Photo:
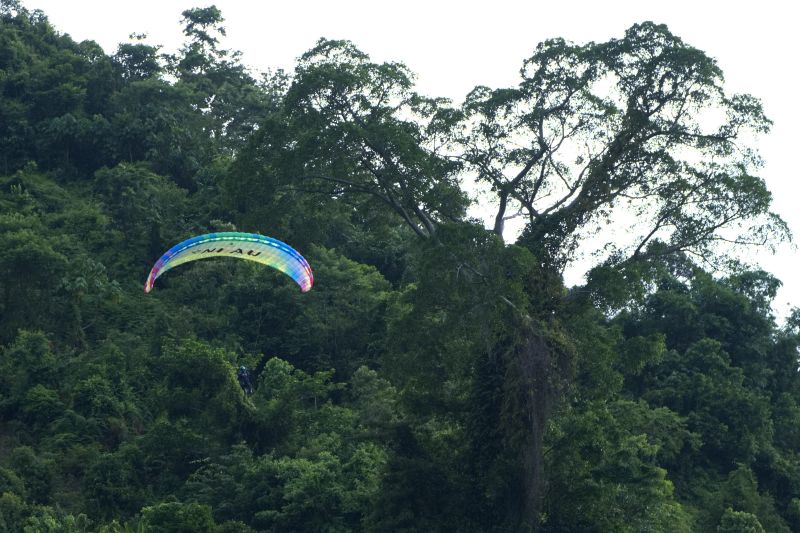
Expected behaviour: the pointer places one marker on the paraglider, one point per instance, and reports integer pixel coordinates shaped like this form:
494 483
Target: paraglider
245 381
250 246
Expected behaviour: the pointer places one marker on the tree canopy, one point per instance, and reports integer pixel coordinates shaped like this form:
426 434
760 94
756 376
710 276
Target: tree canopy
439 376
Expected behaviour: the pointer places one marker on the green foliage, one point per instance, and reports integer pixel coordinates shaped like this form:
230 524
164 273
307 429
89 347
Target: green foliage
46 520
31 267
435 378
178 518
339 324
329 480
144 206
739 504
36 473
606 474
198 382
28 360
12 511
739 522
11 483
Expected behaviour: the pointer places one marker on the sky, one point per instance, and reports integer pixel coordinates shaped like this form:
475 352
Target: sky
453 46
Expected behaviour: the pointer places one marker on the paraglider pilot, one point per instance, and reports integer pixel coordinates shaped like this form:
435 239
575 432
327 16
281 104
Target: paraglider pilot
244 380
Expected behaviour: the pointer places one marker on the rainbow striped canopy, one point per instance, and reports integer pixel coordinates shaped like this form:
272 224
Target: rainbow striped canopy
250 246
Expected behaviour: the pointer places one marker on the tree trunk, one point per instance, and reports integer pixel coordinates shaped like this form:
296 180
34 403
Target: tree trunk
536 373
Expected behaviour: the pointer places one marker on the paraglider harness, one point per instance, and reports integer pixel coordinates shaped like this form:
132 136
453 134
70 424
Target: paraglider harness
244 380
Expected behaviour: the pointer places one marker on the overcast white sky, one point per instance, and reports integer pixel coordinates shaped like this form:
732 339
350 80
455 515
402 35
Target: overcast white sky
455 45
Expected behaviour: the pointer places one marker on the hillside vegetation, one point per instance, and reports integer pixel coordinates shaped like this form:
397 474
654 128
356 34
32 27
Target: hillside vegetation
436 377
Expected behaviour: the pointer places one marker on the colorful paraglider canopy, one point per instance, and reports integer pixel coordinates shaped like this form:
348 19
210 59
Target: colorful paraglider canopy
250 246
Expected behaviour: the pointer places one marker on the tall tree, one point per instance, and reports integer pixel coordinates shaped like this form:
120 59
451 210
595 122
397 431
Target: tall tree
640 123
361 128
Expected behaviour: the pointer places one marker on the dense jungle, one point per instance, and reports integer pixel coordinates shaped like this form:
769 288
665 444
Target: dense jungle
439 376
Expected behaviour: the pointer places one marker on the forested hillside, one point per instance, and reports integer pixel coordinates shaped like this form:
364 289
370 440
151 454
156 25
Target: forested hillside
437 377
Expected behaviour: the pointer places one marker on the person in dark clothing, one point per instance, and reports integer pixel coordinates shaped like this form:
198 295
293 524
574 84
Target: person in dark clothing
244 379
